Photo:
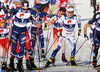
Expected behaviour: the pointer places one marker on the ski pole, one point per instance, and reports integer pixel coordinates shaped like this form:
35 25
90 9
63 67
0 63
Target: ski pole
91 50
51 46
38 42
47 38
77 39
77 51
80 47
90 57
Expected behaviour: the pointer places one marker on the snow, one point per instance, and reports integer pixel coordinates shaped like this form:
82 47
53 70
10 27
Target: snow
84 10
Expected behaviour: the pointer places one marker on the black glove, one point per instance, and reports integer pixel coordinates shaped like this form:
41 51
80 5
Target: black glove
79 32
86 37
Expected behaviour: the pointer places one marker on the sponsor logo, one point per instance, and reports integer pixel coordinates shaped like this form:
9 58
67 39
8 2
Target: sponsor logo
21 15
1 31
69 21
60 40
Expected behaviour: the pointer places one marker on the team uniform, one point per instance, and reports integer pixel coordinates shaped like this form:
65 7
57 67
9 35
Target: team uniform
4 40
21 20
57 28
96 39
35 31
92 33
44 4
68 33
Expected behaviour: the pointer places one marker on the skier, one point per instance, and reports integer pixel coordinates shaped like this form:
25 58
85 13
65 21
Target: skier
34 28
4 40
69 21
22 18
96 36
57 31
44 5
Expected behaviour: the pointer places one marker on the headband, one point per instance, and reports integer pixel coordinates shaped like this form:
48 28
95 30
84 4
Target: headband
70 9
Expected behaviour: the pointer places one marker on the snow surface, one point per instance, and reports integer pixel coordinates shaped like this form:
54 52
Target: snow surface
84 10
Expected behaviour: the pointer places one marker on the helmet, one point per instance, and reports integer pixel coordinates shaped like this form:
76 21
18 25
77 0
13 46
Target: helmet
37 7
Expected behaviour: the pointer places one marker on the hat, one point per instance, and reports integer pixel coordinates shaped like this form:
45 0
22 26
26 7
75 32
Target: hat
25 4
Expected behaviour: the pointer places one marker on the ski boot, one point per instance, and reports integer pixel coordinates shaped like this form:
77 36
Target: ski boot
49 62
63 58
73 63
32 64
11 66
4 66
94 62
43 54
20 67
45 27
28 65
53 61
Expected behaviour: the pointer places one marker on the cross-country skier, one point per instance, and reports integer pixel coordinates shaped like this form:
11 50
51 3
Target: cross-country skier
34 29
4 40
96 36
57 31
69 22
22 18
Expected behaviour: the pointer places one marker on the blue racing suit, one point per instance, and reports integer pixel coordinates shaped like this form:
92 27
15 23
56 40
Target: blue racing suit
96 35
19 30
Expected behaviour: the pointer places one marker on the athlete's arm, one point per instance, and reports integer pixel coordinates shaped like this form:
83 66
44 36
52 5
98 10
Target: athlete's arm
52 20
85 27
79 26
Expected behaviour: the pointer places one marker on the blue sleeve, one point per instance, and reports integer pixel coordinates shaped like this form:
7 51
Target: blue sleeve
79 25
14 11
7 17
92 21
44 13
48 1
5 11
33 12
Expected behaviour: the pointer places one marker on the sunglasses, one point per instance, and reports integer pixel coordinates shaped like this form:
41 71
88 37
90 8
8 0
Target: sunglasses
25 9
71 12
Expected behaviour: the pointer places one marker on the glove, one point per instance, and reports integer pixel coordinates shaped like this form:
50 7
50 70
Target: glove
79 32
86 37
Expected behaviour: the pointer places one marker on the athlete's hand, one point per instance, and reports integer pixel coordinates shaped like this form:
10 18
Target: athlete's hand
79 33
86 37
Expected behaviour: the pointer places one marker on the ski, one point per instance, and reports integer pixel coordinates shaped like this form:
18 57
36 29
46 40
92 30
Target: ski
26 70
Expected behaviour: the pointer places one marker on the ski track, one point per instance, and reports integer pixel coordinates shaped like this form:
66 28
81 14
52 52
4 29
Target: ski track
83 56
